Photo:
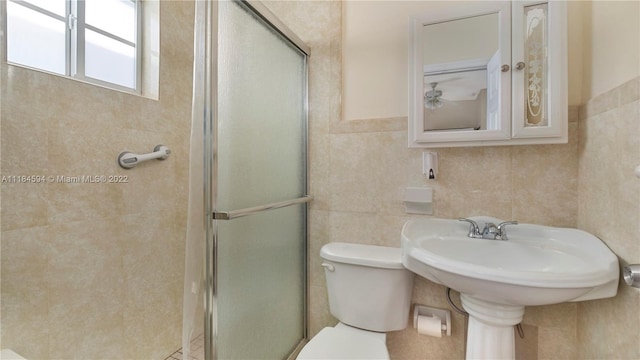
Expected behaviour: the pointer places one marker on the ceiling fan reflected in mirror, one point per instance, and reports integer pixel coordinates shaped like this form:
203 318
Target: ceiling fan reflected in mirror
432 97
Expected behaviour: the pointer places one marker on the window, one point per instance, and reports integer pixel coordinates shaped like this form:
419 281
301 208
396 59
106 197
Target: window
98 41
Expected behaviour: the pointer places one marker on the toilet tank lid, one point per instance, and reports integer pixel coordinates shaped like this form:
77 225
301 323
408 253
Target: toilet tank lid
361 254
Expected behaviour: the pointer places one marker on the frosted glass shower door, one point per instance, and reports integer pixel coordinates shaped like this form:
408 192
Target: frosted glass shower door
261 160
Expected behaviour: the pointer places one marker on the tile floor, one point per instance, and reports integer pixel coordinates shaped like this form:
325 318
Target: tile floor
197 350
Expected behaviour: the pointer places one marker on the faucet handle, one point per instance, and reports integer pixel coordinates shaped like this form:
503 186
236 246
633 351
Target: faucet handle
490 231
474 229
502 229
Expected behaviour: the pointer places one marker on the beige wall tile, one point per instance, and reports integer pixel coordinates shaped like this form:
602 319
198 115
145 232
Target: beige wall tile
609 207
78 202
23 130
605 327
85 255
360 191
355 227
545 182
75 313
24 289
319 231
558 315
474 181
557 343
23 205
608 156
527 347
319 315
111 255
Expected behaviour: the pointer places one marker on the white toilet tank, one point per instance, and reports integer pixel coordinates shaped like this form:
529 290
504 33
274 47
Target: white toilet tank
368 286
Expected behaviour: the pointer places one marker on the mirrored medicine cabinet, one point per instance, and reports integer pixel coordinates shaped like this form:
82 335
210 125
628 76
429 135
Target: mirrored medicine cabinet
488 73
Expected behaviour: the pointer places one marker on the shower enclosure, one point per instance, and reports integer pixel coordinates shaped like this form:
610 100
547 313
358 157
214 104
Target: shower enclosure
250 102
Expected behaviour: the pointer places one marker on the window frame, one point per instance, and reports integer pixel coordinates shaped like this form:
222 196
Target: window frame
75 28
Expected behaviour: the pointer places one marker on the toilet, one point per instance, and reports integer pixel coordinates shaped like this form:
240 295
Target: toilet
369 293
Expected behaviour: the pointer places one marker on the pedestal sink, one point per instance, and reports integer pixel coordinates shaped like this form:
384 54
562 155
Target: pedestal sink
537 265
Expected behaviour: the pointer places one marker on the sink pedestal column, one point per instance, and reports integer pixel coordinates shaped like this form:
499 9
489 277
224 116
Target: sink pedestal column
490 333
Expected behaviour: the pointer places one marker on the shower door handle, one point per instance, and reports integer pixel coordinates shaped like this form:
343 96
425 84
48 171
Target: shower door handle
229 215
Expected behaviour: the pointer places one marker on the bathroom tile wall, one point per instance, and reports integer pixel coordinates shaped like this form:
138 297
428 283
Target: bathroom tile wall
609 207
359 170
95 271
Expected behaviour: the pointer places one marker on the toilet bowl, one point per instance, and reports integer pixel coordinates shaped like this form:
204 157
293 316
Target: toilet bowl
369 293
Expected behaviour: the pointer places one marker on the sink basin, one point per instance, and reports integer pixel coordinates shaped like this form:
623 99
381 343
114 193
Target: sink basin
538 265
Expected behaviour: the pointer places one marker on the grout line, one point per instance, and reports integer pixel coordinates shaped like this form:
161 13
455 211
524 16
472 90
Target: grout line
197 352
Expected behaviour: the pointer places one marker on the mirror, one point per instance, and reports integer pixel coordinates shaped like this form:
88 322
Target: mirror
460 84
481 72
458 56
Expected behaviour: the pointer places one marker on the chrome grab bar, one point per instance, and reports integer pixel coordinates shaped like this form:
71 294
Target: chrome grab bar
229 215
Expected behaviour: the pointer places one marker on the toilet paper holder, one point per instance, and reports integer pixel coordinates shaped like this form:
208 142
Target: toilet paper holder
444 315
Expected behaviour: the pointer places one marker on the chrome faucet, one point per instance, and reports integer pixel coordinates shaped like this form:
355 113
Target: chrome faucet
474 229
490 231
502 229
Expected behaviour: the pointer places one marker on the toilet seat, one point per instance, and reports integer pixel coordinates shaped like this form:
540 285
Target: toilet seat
345 342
